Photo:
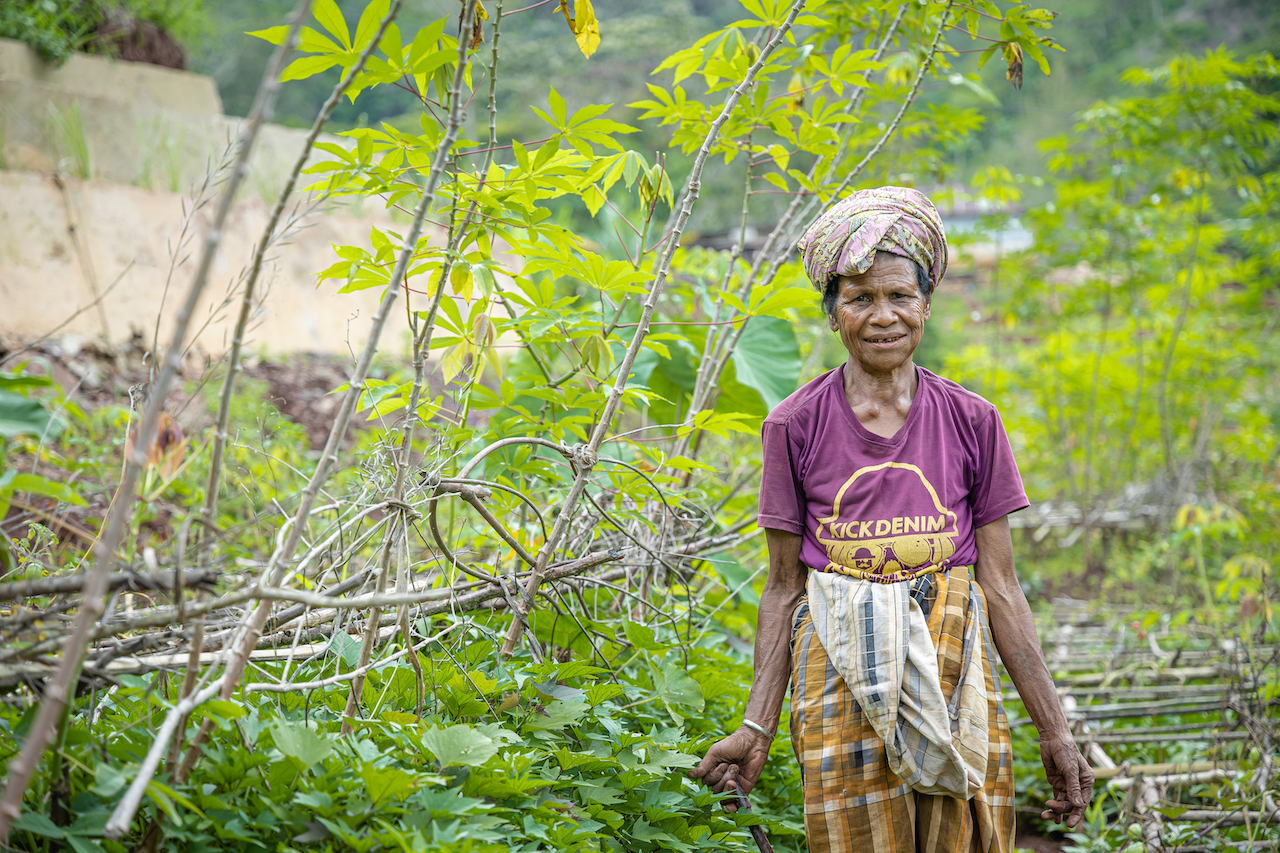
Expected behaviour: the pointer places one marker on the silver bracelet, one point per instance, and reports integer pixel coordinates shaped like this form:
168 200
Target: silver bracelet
761 729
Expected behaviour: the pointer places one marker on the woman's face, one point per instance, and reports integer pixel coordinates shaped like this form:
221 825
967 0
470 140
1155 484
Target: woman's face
880 314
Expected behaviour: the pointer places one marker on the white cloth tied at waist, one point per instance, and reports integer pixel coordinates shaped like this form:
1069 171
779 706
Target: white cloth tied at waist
877 638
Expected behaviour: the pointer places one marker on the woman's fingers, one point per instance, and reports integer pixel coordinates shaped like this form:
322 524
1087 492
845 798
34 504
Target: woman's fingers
730 786
728 779
1055 810
714 776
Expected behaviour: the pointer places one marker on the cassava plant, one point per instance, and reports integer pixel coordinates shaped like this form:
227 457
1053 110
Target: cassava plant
530 555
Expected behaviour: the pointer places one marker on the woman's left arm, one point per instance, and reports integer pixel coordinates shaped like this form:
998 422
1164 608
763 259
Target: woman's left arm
1014 632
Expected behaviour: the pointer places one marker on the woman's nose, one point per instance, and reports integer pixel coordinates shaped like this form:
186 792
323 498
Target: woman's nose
882 313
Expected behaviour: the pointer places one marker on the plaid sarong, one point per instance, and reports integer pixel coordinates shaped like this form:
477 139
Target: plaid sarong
854 802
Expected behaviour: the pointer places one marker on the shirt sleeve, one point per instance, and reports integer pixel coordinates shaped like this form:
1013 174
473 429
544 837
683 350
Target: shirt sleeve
997 488
781 495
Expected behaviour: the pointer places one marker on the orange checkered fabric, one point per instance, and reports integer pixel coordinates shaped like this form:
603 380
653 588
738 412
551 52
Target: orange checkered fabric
853 802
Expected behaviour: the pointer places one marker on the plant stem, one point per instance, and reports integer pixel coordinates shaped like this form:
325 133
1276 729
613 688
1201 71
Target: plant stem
60 687
251 629
210 508
586 457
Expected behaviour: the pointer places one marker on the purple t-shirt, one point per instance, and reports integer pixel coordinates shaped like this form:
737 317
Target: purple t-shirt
886 505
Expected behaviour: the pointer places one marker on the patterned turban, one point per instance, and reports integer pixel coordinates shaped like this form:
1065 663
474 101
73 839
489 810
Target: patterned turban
900 220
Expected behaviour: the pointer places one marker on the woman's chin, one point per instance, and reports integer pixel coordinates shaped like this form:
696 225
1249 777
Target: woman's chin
883 360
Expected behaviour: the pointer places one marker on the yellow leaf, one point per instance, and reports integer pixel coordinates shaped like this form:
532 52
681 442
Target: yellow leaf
583 23
460 280
1013 56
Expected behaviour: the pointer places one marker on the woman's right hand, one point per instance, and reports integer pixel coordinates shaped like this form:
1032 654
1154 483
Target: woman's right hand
734 762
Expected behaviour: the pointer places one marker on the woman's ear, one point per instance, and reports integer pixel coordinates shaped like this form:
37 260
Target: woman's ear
831 322
928 305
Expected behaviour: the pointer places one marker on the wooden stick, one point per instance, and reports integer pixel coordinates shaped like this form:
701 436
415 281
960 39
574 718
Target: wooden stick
1138 736
1175 768
132 580
1233 818
1175 779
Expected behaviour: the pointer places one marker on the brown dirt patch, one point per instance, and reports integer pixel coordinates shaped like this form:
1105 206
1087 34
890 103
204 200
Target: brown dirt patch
137 41
1038 843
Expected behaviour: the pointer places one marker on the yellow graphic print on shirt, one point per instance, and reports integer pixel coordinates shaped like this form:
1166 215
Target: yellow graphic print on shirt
893 544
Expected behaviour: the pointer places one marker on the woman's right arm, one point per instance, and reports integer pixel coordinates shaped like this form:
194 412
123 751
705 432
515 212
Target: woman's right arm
740 757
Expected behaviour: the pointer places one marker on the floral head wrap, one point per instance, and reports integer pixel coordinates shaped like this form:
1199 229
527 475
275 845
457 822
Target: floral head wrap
900 220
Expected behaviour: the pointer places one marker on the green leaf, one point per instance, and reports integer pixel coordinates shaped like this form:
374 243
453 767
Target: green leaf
767 359
642 637
89 823
330 17
108 780
37 485
557 715
307 66
300 743
80 844
560 630
18 381
679 689
347 647
459 744
736 577
21 415
593 199
274 35
369 20
382 784
37 823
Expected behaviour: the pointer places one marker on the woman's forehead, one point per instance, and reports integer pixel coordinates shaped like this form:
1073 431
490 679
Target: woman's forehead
887 270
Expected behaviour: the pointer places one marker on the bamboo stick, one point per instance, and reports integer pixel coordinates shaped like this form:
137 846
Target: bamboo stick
1173 768
1174 779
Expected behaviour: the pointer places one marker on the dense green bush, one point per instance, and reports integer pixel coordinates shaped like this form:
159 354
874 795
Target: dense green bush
57 28
507 755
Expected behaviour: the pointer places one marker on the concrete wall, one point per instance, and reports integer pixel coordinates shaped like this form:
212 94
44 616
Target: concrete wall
151 134
63 240
140 124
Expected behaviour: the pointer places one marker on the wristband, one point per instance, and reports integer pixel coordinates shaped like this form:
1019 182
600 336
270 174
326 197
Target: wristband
761 729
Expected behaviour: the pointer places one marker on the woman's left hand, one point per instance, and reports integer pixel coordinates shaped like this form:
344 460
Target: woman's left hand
1071 778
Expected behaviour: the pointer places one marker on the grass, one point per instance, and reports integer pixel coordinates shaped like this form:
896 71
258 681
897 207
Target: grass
70 140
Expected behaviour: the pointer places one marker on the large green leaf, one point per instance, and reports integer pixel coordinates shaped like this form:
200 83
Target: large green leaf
459 744
21 415
37 485
16 381
301 744
38 824
384 783
677 688
767 358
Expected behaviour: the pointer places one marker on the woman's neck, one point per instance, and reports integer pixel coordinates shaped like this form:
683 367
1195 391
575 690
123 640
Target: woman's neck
881 401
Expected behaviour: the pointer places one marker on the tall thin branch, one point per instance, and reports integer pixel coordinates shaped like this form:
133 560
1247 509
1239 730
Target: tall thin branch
255 269
421 344
60 687
586 457
277 566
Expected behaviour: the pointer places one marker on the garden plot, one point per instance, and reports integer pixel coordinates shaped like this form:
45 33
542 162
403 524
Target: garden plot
1179 725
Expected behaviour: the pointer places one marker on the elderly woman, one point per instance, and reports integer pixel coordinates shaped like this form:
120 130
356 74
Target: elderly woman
885 496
